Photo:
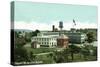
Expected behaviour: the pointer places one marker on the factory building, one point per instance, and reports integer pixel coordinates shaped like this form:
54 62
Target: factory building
59 38
74 37
45 41
50 41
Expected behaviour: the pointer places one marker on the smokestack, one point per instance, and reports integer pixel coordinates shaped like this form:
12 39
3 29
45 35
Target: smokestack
53 28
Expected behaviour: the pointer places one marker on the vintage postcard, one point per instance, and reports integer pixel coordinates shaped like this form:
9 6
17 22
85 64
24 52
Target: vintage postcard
50 33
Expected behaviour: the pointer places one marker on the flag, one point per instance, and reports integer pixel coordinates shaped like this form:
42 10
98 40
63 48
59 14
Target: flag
74 22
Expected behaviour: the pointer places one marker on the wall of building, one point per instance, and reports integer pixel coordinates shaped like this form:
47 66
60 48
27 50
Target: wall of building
62 43
46 41
74 37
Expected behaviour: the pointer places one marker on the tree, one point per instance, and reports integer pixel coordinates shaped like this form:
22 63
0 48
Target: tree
16 35
85 52
66 53
19 42
58 57
35 32
95 52
28 37
32 57
61 56
90 37
74 49
20 55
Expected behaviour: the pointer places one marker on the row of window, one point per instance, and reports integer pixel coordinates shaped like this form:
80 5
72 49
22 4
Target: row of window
47 43
44 39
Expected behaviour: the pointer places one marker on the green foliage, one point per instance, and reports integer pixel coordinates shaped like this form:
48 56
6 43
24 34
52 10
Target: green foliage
61 56
90 37
20 55
58 57
31 56
40 50
19 42
16 35
35 32
73 50
95 51
87 54
28 37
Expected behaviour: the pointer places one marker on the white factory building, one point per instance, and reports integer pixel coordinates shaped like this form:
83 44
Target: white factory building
45 41
74 37
49 38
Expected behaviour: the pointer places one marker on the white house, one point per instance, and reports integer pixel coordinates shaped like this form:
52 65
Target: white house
46 40
35 44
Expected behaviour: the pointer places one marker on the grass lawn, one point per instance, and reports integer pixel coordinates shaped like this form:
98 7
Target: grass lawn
80 58
40 50
47 59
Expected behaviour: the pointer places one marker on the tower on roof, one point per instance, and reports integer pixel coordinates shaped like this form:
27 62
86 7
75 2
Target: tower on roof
60 25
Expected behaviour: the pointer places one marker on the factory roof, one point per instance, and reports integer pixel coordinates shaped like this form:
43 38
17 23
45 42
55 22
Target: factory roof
62 36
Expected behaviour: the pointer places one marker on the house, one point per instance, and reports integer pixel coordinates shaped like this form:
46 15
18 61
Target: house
35 44
45 41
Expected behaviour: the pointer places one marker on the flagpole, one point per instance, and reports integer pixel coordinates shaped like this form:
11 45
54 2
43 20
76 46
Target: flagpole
74 24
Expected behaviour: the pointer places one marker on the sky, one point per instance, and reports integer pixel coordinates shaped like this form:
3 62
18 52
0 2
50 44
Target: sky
30 15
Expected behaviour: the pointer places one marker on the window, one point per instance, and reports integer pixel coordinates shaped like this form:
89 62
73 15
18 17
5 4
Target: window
42 43
44 39
52 43
40 39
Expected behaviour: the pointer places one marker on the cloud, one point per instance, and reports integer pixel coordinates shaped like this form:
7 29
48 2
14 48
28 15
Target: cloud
32 25
45 26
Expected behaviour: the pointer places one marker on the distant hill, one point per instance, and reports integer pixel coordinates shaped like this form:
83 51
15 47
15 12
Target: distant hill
23 30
